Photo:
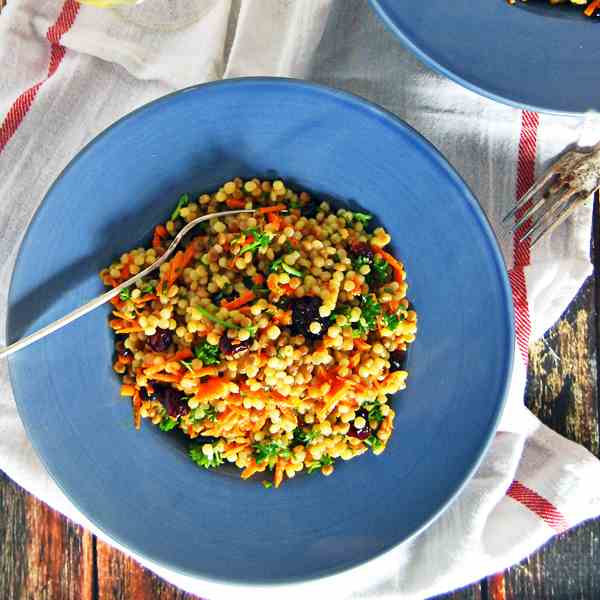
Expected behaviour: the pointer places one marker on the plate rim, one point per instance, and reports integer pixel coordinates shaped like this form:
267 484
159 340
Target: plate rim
494 247
428 61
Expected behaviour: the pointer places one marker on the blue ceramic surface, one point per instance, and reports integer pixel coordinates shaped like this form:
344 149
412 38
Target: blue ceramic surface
140 487
540 57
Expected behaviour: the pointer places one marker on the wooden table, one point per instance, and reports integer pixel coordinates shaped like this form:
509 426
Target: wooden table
44 556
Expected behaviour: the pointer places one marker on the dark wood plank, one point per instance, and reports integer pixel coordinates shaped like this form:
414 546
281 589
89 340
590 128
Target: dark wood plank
122 578
43 555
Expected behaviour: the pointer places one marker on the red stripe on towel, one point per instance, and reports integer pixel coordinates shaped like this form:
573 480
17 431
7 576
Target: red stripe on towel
539 505
22 104
521 251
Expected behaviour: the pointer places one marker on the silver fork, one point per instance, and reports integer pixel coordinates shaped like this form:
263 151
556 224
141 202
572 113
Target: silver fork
567 184
108 296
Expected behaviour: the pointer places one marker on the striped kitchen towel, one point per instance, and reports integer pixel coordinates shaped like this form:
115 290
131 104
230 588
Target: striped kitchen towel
69 71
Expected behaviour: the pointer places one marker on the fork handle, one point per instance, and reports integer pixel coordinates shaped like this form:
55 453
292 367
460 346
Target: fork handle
108 296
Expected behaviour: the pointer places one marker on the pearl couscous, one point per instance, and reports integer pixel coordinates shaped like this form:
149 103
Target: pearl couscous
273 339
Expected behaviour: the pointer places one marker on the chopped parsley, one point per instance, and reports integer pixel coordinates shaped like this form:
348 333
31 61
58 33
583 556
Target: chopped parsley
322 462
148 288
279 264
183 201
125 294
204 412
207 353
291 270
374 409
360 261
168 423
304 437
370 310
361 217
392 321
261 240
267 484
374 442
187 364
269 451
202 460
381 270
251 329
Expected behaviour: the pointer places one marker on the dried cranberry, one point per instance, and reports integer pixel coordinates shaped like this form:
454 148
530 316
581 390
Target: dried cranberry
305 310
161 340
364 432
397 360
171 399
230 348
226 294
362 249
310 209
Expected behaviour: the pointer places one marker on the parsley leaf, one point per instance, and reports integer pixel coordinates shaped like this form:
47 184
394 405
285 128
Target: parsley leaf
374 409
370 310
269 451
276 265
187 364
381 269
202 460
261 240
374 442
392 321
204 412
304 437
291 270
125 294
207 353
168 423
267 484
359 261
183 201
361 217
317 464
148 288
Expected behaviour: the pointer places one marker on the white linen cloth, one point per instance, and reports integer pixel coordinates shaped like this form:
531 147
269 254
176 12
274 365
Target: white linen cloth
116 60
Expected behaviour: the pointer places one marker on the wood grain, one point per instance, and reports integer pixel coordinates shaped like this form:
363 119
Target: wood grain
122 578
43 556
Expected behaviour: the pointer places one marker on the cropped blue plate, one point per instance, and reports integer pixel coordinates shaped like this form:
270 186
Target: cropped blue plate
139 487
529 55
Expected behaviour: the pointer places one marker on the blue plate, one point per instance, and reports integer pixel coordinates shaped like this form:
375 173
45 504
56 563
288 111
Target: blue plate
535 56
139 487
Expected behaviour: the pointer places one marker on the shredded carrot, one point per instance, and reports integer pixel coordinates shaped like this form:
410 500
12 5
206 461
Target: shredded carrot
188 256
137 405
175 269
144 299
394 305
238 302
274 220
589 11
272 280
265 210
203 372
253 468
332 397
120 315
258 279
212 389
184 354
151 371
390 260
235 202
293 241
161 231
131 330
127 390
278 477
362 346
167 378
